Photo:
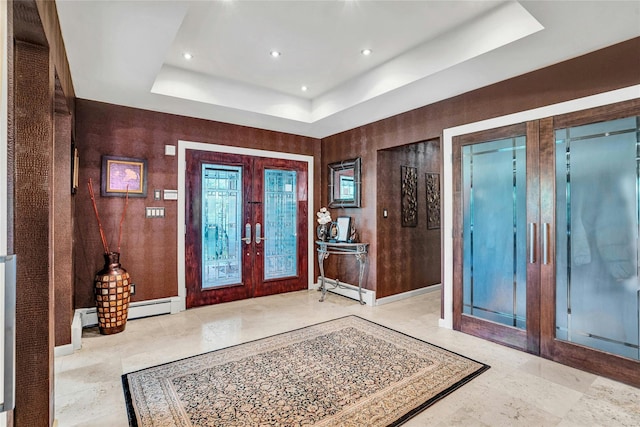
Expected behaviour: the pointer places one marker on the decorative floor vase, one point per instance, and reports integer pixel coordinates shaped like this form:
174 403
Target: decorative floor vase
111 288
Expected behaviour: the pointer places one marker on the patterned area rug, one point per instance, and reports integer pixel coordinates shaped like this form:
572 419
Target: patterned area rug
345 372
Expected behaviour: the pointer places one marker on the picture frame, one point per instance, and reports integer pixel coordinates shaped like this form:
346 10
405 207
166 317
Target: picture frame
344 183
75 168
121 173
344 228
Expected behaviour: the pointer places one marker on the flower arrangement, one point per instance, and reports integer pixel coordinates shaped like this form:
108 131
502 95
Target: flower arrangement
324 216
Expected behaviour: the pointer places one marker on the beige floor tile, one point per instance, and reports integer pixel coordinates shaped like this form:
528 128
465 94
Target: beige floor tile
519 389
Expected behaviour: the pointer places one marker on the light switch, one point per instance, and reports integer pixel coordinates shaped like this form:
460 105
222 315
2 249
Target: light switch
157 194
154 212
169 150
385 213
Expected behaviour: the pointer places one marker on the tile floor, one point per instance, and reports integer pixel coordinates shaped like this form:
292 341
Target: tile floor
518 390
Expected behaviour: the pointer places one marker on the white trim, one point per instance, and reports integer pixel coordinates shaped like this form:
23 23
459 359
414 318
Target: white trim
183 146
625 94
63 350
348 290
7 354
409 294
84 317
76 330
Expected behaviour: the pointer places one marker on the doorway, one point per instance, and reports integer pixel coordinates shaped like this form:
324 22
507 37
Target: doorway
246 226
546 238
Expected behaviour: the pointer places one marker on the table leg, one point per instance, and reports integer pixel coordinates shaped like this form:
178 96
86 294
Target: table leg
323 286
362 258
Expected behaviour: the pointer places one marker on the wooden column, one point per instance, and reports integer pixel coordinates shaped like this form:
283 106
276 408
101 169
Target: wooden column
63 230
33 125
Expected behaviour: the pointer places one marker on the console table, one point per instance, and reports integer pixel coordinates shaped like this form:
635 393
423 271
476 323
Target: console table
359 250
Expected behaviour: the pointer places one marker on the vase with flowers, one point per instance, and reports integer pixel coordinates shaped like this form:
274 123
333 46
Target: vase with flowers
112 284
324 219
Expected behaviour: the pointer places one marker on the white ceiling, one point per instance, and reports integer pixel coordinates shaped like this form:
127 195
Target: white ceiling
130 53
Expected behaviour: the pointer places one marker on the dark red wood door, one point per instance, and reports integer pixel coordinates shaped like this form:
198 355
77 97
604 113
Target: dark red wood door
280 216
246 232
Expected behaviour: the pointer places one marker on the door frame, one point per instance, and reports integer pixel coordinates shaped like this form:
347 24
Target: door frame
612 97
183 146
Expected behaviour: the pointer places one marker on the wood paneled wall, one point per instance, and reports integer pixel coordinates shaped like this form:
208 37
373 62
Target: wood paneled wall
149 246
604 70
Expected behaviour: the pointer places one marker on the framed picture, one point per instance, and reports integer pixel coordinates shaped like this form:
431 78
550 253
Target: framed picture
75 161
120 174
344 228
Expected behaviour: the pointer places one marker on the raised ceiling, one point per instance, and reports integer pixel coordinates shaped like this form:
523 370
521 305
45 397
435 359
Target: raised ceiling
131 53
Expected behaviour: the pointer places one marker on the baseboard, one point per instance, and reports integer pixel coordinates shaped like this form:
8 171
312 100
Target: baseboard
409 294
63 350
86 317
445 323
76 331
350 291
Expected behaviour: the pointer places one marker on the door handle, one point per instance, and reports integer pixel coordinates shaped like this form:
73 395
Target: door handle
545 243
247 234
532 243
259 233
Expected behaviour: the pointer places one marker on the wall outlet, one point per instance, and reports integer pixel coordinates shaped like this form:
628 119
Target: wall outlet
132 289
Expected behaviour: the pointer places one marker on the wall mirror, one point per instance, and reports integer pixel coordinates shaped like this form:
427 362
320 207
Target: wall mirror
344 184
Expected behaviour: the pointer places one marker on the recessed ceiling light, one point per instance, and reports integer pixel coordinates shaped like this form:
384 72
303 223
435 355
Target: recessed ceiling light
275 53
366 52
187 55
304 88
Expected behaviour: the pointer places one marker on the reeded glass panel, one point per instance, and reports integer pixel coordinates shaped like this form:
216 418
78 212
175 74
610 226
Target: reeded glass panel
494 231
280 224
597 291
221 225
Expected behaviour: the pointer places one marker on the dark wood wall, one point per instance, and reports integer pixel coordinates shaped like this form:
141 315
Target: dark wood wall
419 250
149 246
604 70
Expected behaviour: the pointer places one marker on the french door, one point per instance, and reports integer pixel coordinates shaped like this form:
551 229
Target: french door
246 227
546 238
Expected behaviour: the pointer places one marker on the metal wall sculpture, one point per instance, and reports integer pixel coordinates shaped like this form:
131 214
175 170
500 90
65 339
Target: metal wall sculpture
433 200
409 202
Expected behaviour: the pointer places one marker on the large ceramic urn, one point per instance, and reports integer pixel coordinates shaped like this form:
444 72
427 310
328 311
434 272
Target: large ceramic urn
112 292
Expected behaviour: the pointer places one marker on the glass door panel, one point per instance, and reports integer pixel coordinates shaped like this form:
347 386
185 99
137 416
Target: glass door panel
221 225
597 209
494 228
280 224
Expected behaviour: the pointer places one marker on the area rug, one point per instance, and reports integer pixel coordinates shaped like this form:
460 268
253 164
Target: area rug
344 372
